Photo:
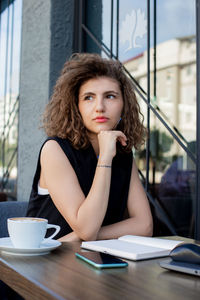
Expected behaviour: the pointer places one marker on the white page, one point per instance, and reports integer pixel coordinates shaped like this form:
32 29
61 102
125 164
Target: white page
149 241
124 249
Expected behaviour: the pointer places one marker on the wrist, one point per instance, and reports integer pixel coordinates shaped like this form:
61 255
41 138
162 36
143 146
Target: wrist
102 160
104 166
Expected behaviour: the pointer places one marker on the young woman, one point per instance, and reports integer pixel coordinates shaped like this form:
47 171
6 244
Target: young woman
86 177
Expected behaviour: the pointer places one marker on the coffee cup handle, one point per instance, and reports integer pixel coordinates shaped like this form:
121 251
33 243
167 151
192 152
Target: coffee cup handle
57 229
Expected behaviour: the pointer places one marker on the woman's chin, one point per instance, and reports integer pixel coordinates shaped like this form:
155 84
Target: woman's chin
104 127
98 129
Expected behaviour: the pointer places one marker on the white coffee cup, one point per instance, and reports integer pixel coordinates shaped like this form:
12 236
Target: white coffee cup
28 233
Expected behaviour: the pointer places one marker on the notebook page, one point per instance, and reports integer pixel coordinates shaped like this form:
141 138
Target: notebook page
149 241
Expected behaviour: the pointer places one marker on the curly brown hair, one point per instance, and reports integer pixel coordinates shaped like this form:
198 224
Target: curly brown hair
62 118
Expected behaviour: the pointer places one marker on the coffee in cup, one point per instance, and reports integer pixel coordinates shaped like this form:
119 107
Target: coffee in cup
28 233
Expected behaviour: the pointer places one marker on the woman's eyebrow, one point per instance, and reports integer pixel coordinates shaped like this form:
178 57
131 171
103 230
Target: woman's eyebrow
111 92
105 92
86 94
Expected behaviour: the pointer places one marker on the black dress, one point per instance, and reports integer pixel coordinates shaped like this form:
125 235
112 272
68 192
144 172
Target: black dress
84 163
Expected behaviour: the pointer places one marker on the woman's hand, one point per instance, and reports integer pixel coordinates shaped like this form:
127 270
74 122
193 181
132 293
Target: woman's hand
107 144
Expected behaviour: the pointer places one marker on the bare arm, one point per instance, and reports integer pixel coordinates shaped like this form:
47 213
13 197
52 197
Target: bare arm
140 219
59 177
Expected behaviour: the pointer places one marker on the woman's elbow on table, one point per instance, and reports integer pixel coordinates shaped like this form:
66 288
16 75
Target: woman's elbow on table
87 235
148 228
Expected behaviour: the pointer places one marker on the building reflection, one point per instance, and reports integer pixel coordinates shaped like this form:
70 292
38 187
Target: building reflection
172 173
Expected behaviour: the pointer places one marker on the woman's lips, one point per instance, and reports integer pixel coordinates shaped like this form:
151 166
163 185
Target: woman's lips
101 119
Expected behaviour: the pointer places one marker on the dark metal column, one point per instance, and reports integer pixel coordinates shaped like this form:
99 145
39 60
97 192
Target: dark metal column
111 30
155 48
197 211
117 31
62 33
93 23
79 9
5 93
148 97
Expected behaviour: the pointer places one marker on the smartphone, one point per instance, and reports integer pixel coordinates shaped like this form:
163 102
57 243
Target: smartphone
101 260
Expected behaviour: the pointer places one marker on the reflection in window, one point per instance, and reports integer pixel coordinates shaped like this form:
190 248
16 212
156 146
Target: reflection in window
10 42
172 172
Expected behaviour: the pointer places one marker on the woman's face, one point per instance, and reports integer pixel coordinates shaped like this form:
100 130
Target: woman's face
100 103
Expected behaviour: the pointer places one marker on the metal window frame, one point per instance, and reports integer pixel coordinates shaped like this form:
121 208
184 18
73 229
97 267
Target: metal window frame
197 206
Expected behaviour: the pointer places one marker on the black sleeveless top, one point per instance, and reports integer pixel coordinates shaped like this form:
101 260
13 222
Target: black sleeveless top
84 163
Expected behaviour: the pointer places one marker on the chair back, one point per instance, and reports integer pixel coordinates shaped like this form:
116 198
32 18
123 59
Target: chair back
10 209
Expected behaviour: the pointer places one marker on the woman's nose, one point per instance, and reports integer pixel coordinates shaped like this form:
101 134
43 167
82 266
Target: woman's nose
100 104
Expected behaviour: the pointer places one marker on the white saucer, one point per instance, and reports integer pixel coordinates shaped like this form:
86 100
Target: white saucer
7 247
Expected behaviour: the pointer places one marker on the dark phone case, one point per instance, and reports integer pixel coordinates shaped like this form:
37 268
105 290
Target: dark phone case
101 260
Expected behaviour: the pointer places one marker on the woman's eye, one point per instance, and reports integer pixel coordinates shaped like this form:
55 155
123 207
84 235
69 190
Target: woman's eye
110 96
88 97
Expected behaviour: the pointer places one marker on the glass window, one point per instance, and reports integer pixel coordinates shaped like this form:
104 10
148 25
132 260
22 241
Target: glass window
171 76
10 42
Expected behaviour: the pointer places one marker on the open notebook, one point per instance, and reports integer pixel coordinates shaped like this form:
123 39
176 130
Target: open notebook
133 247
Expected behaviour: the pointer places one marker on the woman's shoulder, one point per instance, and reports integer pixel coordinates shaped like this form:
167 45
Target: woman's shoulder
53 142
59 140
56 146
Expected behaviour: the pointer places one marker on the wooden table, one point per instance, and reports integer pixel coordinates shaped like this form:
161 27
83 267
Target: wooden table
60 275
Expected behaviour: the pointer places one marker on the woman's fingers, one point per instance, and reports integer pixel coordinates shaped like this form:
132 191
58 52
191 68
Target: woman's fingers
120 136
122 140
108 140
113 133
